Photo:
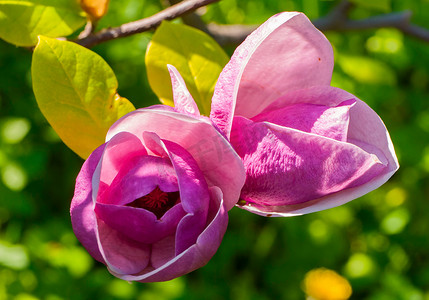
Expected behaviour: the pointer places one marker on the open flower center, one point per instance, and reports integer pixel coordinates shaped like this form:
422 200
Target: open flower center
156 201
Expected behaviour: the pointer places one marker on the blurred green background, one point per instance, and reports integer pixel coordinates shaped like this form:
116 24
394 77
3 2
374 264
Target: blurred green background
379 242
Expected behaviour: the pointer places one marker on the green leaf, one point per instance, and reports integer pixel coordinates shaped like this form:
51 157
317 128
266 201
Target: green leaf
76 92
195 54
21 21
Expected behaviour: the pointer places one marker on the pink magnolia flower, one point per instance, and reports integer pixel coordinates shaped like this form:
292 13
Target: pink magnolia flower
305 145
151 203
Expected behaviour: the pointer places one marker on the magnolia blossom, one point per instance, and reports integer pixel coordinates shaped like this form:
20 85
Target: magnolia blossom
151 203
305 145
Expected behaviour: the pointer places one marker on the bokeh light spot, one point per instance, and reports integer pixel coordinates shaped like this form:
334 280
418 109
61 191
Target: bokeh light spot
13 256
395 221
122 289
324 284
360 265
318 231
14 130
14 177
396 196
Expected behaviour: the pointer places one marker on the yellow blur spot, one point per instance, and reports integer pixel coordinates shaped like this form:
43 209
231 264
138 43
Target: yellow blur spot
374 44
396 196
392 45
386 40
324 284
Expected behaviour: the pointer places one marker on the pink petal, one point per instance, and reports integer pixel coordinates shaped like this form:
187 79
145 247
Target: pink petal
284 54
82 207
194 257
139 224
154 145
188 230
215 157
317 95
118 153
367 127
163 251
139 179
194 194
183 101
161 107
121 254
364 124
209 241
322 120
193 188
288 167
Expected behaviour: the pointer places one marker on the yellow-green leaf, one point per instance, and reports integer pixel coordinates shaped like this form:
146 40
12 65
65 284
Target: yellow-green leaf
76 92
21 21
195 54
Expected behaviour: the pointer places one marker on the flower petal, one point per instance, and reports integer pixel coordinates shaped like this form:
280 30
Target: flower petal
82 207
367 127
194 194
163 251
140 224
183 101
219 163
161 107
193 188
197 255
331 122
364 124
318 95
144 175
284 54
118 154
121 254
289 167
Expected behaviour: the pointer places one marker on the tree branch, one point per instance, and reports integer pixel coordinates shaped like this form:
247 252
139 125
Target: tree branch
192 19
230 34
336 20
143 25
398 20
223 34
416 31
337 16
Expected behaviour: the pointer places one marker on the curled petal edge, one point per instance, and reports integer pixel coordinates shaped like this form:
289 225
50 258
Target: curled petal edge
326 202
195 256
323 203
